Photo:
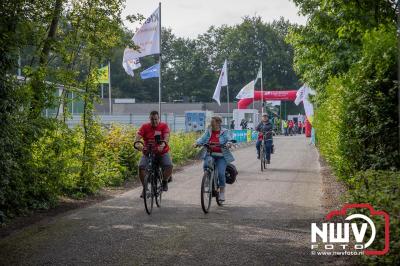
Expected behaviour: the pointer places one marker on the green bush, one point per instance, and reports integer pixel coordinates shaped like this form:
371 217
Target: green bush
348 52
357 130
357 121
181 147
56 166
117 157
381 189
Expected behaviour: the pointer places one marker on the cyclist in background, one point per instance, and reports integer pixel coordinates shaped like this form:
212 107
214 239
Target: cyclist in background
152 133
265 127
222 156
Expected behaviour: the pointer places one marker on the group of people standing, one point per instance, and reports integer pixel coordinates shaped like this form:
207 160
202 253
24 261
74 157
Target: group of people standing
291 127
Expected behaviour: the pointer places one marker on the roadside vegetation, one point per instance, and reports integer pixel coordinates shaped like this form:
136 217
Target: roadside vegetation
41 159
57 160
348 52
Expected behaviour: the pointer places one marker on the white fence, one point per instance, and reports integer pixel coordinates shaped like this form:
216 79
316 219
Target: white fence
175 122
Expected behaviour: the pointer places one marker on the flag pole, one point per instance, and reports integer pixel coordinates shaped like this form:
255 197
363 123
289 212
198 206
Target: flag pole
109 87
254 93
227 86
227 92
262 94
102 87
159 62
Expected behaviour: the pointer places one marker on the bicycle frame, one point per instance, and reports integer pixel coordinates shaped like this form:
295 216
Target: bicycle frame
210 181
263 152
213 170
153 177
152 166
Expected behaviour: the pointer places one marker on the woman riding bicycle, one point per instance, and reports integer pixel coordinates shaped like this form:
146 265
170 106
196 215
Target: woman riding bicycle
217 136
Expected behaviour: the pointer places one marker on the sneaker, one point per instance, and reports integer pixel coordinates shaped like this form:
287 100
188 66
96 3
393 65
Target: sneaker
221 196
165 185
258 157
141 194
170 179
268 161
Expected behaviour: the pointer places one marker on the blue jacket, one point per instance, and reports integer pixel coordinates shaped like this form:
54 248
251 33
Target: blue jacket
224 137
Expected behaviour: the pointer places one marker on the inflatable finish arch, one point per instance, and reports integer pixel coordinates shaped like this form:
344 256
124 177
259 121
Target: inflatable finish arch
289 95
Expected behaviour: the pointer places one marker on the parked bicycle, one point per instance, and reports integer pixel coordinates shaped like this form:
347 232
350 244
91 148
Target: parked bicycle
152 185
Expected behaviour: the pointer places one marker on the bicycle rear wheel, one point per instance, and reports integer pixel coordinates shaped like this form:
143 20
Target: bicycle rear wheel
158 188
265 159
206 191
148 193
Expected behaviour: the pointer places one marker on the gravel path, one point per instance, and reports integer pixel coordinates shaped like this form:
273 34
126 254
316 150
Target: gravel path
265 221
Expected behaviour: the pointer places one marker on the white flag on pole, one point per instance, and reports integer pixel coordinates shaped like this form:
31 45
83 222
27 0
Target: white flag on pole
302 94
147 38
247 91
222 81
299 95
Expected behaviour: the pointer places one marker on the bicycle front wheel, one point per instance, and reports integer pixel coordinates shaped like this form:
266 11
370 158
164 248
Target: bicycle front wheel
262 157
158 188
148 195
206 191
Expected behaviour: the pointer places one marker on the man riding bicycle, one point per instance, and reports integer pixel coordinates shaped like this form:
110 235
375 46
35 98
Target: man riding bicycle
265 131
215 137
155 133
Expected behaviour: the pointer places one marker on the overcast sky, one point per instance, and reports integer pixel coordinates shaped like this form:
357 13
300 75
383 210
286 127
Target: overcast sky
188 18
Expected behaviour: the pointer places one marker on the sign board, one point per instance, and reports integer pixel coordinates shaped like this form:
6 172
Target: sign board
125 100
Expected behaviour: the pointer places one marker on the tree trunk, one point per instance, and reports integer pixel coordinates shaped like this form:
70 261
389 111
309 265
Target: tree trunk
40 94
52 33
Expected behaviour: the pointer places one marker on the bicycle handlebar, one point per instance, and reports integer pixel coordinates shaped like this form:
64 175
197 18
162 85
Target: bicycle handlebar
136 142
213 145
149 145
209 145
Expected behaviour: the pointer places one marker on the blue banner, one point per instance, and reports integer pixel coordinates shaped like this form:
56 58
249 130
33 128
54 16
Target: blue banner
244 135
151 72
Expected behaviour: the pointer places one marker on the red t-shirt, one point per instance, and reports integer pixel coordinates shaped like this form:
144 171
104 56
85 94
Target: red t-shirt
214 139
260 135
291 124
147 131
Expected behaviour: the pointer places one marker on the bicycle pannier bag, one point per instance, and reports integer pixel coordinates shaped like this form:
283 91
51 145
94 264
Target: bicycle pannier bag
231 174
